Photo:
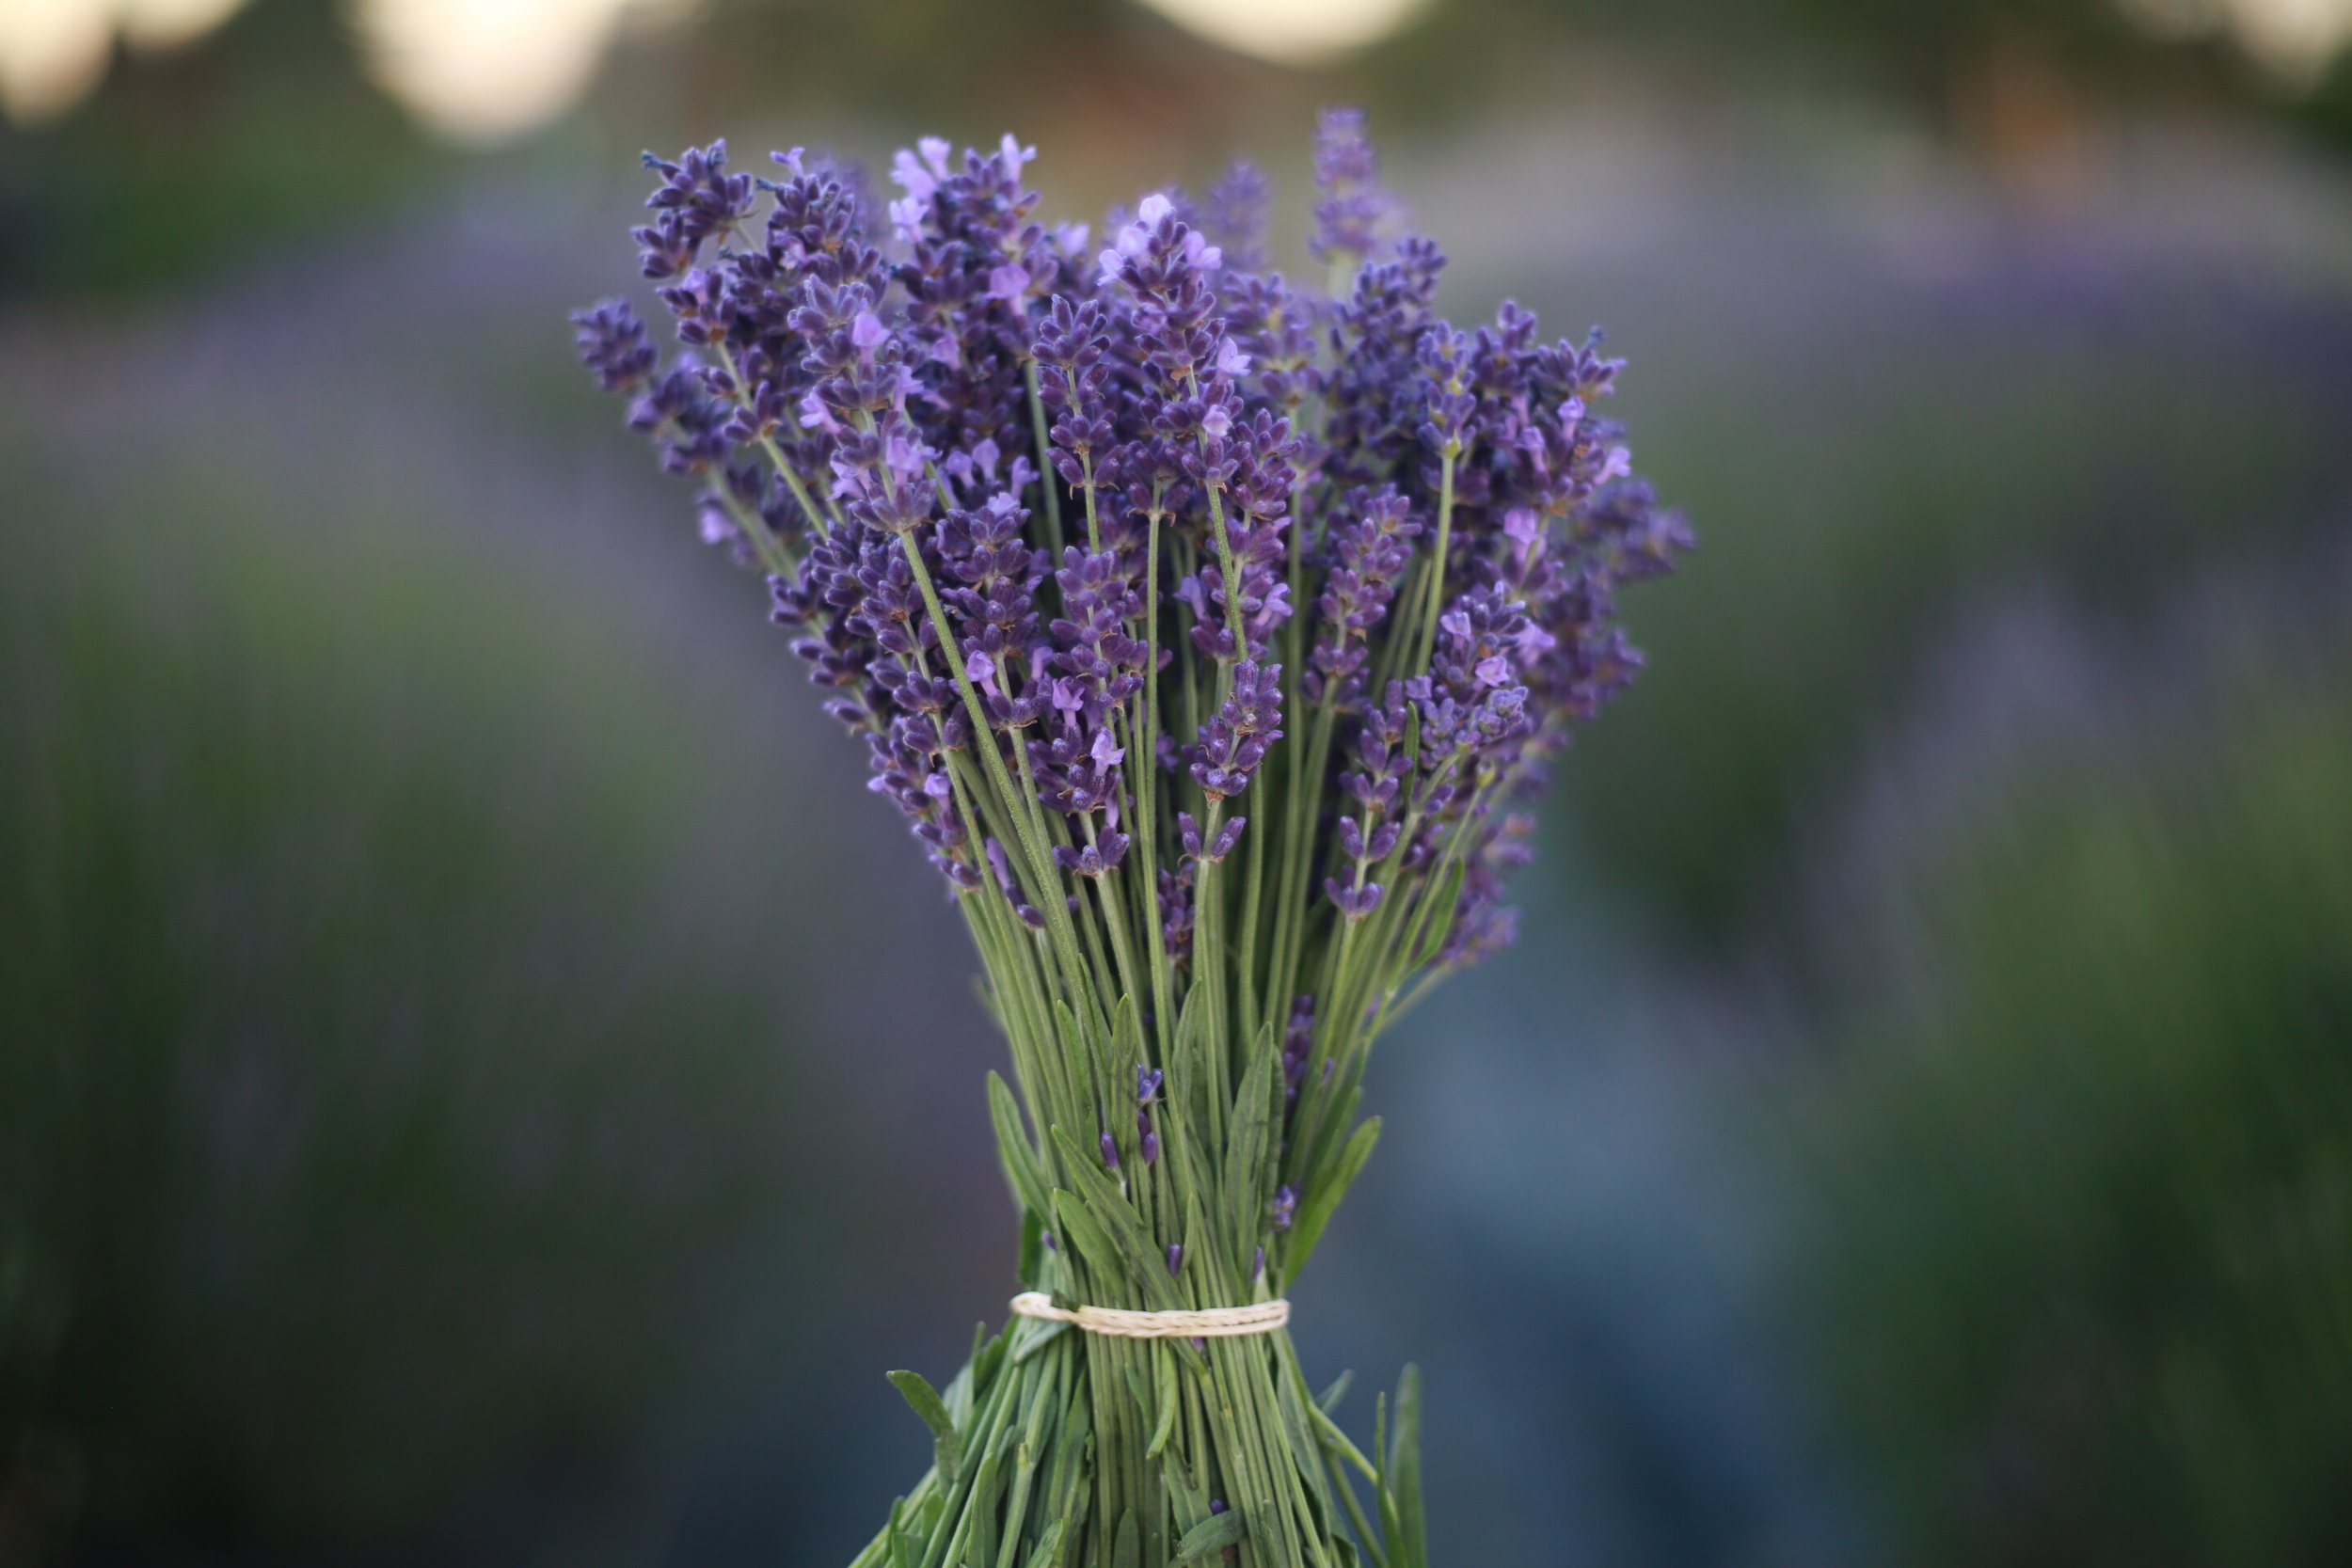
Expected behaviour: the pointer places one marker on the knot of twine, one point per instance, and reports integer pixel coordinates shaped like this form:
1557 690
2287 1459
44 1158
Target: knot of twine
1209 1322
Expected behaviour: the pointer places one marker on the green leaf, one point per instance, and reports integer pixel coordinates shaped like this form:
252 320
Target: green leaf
1187 1159
1249 1150
1400 1476
1190 1506
1316 1211
1164 1372
1303 1448
1094 1244
1140 1390
1126 1546
1435 917
1013 1149
1187 1062
1213 1534
988 1356
926 1402
1109 1209
1083 1044
1048 1546
1340 1447
989 1002
1127 1032
981 1513
906 1547
1329 1400
1033 1247
957 1396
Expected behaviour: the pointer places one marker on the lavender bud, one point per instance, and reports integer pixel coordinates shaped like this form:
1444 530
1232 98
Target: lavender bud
1175 1257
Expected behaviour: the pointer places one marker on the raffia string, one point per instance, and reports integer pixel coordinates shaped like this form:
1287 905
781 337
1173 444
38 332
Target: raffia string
1210 1323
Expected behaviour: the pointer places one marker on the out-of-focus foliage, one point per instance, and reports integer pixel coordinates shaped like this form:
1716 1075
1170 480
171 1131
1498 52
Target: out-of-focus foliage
260 136
2082 1192
2068 422
390 1072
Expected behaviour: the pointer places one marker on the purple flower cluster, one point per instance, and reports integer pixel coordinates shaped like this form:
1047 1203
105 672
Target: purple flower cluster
1075 537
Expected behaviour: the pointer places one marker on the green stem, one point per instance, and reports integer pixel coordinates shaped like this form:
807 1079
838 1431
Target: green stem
1047 478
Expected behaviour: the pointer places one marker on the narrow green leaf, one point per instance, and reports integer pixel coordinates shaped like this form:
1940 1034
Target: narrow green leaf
1126 1546
1435 917
1033 1247
1078 1228
1316 1211
1034 1336
1187 1156
957 1396
1329 1400
981 1513
1086 1044
1401 1476
906 1547
1109 1209
1127 1032
1048 1546
1190 1506
1249 1149
1303 1450
1164 1373
1140 1390
988 1357
1389 1528
990 1003
1191 1066
1213 1534
926 1402
1014 1150
1341 1446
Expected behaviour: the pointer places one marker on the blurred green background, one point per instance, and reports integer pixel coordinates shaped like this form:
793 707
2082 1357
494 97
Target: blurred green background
481 1081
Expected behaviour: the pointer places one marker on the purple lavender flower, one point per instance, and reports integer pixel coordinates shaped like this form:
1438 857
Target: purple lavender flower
1235 739
1370 547
1237 215
613 345
1298 1039
1353 208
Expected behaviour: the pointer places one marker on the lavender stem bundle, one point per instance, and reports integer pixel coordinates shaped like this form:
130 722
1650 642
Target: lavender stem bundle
1213 636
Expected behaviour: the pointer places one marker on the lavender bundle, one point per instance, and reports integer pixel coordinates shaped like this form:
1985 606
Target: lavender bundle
1213 636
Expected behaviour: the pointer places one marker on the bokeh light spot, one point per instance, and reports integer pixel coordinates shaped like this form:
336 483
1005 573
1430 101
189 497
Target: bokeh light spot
1293 32
483 70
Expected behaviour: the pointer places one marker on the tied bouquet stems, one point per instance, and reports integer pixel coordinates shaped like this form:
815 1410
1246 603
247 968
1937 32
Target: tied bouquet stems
1212 634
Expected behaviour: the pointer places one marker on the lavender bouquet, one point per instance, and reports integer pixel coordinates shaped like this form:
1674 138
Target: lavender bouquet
1213 635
